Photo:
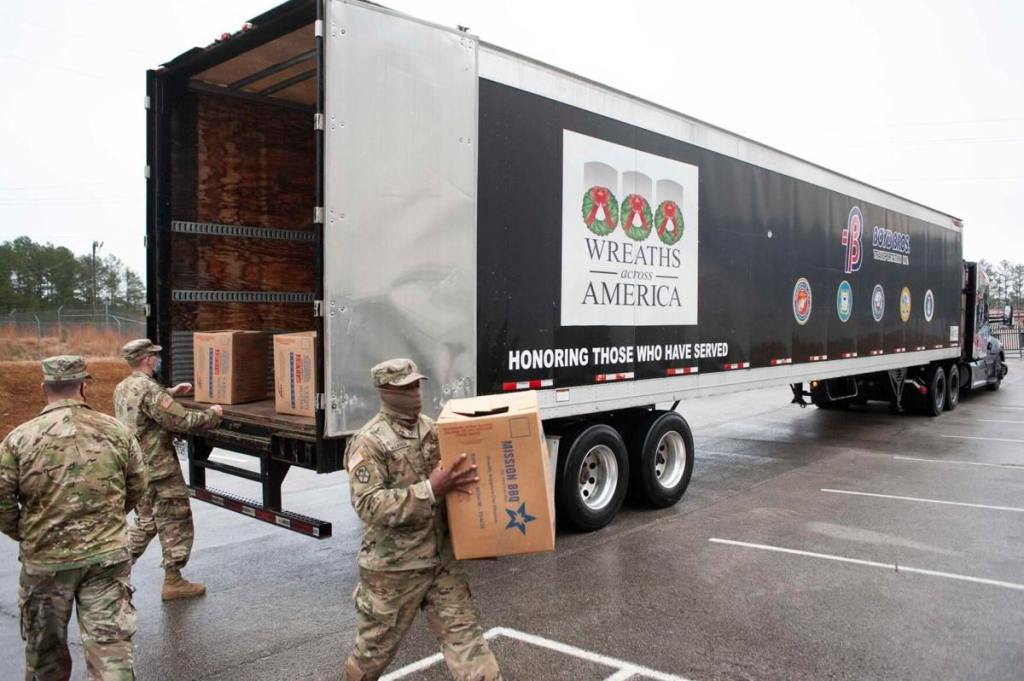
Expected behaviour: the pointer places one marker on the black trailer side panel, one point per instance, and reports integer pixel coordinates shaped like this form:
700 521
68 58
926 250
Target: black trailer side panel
762 234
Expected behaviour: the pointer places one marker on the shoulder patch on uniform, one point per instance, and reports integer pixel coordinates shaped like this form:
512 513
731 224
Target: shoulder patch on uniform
355 459
166 401
362 474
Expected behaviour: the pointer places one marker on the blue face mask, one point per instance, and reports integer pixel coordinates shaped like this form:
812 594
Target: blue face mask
159 364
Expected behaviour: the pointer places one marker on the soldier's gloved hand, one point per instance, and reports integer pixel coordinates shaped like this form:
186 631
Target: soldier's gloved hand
459 478
181 389
217 409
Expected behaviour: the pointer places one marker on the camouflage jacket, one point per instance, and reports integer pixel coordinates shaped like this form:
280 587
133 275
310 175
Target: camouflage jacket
388 467
67 479
152 415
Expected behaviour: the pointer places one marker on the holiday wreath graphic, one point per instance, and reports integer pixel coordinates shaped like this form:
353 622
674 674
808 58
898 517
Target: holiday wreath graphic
638 221
600 210
669 214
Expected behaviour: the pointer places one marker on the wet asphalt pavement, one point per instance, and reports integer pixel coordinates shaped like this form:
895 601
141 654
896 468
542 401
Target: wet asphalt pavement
810 545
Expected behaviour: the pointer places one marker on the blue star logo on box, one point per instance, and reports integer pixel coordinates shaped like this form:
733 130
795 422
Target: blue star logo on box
517 519
844 301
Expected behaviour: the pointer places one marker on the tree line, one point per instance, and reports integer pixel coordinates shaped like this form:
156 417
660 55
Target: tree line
35 276
1006 284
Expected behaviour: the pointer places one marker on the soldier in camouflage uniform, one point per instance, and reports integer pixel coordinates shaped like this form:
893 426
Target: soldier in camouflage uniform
67 479
150 412
406 561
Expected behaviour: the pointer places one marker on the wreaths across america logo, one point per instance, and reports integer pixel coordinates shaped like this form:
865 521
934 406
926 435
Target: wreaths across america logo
629 236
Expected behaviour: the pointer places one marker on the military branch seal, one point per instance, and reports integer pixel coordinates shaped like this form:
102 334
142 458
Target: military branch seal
67 479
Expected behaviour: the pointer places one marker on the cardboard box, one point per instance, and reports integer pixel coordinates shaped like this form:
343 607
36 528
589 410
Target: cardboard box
512 509
295 373
230 366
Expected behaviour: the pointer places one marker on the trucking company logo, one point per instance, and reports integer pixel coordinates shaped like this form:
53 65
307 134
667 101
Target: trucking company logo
905 304
852 240
929 305
844 301
887 245
802 301
629 236
878 303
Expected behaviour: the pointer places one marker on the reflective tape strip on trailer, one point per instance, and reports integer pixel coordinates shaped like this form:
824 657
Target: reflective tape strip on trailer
608 378
737 365
900 350
527 385
779 362
938 347
818 358
295 522
681 371
919 348
848 355
876 353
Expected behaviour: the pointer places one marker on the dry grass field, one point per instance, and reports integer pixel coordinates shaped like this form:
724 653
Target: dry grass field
23 343
21 397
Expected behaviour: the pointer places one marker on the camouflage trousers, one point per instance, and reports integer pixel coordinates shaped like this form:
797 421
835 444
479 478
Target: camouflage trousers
386 605
164 510
102 596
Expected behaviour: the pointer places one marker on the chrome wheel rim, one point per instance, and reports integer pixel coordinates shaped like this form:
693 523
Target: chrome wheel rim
670 460
598 477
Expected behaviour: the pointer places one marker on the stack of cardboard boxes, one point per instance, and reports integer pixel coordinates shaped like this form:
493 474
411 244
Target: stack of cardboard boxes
231 368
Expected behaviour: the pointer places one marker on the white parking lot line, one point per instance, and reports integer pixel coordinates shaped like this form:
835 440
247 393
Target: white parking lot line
1013 509
999 421
987 439
871 563
624 670
1012 466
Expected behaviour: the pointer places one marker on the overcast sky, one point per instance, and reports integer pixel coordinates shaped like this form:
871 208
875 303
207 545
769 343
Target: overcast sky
923 98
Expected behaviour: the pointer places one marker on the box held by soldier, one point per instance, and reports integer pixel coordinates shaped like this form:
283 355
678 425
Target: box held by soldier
295 373
230 366
512 509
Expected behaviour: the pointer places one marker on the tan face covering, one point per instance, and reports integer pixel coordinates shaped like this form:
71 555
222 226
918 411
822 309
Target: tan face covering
402 404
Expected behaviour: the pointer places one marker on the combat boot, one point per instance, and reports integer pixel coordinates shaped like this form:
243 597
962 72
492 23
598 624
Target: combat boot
176 586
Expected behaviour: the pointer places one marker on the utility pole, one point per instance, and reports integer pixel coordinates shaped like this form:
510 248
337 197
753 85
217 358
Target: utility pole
96 245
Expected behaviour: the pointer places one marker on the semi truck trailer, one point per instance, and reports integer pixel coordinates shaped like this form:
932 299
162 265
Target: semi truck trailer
407 189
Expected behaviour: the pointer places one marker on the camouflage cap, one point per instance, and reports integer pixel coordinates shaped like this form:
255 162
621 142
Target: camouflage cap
396 372
64 368
139 348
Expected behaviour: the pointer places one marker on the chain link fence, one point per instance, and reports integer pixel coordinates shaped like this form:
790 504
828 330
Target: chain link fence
34 334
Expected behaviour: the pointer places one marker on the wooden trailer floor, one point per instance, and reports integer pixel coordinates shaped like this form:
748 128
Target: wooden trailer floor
262 414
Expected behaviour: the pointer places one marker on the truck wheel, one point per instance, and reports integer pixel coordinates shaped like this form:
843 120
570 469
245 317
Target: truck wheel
593 478
952 387
935 400
661 459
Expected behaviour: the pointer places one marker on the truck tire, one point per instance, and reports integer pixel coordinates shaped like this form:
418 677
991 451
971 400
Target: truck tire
952 387
935 400
593 478
661 459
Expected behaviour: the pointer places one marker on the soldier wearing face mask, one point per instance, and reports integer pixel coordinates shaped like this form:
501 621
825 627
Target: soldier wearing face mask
152 415
406 561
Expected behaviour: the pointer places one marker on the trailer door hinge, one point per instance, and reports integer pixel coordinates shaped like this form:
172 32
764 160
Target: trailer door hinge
318 121
147 101
318 215
147 309
147 172
318 308
145 241
318 28
320 401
